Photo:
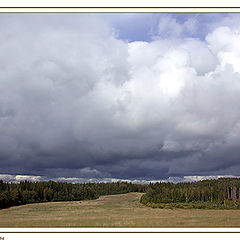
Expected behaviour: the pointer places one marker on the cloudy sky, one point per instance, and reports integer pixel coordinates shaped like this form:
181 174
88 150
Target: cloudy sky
119 96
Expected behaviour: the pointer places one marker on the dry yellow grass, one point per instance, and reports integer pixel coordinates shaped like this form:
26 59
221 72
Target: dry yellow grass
113 211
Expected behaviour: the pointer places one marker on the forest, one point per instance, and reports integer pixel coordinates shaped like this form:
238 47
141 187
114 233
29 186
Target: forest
222 193
13 194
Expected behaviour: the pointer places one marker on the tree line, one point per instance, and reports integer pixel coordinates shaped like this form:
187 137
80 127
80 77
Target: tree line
13 194
220 193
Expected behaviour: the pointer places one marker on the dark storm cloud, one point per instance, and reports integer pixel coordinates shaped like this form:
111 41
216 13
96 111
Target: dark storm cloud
77 102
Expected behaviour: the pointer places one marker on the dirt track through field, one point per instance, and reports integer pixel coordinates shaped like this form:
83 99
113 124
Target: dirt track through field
123 210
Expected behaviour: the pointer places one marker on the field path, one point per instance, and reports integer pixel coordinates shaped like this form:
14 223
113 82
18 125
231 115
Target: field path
123 210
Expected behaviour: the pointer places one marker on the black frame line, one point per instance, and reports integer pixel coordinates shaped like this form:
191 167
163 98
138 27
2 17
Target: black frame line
120 232
121 7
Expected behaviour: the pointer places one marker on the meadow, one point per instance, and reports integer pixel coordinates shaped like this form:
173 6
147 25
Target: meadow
121 210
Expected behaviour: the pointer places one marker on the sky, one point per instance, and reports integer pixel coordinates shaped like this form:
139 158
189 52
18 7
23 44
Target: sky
109 96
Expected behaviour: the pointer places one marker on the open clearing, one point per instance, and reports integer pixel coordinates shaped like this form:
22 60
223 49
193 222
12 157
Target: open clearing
123 210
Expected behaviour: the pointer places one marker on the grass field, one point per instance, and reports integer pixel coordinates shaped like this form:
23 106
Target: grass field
122 210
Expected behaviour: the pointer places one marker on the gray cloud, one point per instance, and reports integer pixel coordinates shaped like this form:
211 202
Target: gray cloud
76 101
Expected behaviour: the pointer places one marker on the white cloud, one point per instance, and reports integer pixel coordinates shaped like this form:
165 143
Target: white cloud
76 101
21 178
169 27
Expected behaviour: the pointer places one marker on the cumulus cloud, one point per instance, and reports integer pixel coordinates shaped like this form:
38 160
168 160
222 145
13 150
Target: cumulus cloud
18 178
169 26
78 102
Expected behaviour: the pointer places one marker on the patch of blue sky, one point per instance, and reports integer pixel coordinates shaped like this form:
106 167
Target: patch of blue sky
147 26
